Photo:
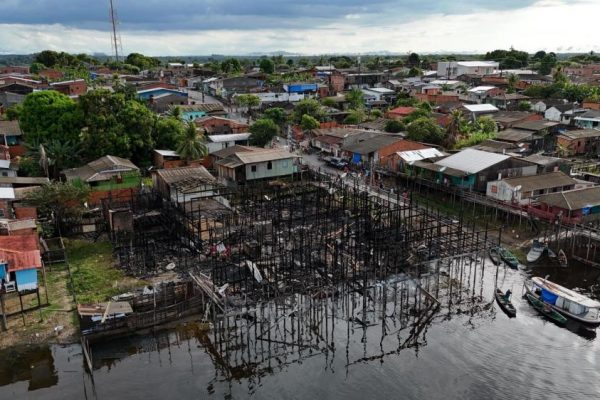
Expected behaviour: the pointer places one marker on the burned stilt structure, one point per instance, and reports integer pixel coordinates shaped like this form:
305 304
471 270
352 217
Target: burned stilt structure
270 241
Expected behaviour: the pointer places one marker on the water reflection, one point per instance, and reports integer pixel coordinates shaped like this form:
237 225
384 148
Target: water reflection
34 364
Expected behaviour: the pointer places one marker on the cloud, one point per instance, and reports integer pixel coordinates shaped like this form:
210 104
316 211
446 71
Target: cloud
547 25
228 14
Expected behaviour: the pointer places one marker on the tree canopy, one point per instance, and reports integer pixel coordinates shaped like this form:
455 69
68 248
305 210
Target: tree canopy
49 114
425 130
262 132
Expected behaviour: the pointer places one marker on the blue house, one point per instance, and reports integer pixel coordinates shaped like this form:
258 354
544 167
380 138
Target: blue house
147 94
191 112
21 259
302 88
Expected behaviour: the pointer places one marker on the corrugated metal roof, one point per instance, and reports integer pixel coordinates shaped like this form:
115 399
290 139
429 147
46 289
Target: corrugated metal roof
514 135
542 181
416 155
7 193
573 199
174 175
472 161
10 128
480 108
232 137
264 155
372 144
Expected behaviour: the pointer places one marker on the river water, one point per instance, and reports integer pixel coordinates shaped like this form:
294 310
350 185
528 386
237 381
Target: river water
473 352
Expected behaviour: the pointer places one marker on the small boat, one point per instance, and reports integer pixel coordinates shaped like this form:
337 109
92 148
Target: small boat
495 255
537 249
562 258
546 310
508 257
505 304
565 301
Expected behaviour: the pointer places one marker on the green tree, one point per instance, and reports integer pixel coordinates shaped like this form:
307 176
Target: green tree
59 201
485 124
276 114
457 126
168 132
191 147
413 60
36 67
308 123
512 83
524 106
376 113
141 61
231 66
47 115
308 106
267 66
355 99
262 132
328 102
49 58
414 71
355 117
61 155
425 130
546 64
394 126
418 113
116 126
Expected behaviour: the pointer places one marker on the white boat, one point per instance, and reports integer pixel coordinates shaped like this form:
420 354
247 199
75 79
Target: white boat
537 249
567 302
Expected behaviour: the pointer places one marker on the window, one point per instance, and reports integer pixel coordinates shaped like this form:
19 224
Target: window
4 173
1 213
269 165
253 168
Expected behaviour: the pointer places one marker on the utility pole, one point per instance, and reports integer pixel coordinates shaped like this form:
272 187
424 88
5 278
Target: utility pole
115 38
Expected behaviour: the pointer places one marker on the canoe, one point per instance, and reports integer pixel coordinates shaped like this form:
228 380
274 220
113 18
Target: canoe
505 305
508 257
536 251
546 310
494 255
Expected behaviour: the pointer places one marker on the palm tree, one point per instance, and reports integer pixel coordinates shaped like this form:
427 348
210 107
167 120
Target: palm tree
59 154
455 127
512 82
192 145
175 112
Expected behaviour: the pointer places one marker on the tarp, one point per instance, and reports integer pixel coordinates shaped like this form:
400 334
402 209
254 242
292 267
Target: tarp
26 279
2 272
356 158
549 297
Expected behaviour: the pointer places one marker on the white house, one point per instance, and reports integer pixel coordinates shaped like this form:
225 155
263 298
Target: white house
220 142
379 93
525 189
453 69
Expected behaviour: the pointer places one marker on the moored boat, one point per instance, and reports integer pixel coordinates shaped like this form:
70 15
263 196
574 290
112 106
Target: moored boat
508 257
495 255
505 304
536 251
565 301
562 258
546 310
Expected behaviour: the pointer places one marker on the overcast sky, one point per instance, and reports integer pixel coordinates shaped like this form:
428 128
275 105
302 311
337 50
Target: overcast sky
199 27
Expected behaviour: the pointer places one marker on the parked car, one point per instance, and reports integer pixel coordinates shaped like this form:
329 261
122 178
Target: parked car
337 162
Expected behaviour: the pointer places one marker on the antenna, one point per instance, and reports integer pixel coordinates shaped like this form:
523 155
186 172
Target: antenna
115 41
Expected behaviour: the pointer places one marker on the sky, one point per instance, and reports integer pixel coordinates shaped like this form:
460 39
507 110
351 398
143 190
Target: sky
204 27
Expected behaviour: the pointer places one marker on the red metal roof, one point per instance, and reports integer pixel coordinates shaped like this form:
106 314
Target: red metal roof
20 252
402 110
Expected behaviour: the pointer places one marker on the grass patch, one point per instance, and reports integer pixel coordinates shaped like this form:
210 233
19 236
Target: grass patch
94 276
